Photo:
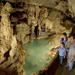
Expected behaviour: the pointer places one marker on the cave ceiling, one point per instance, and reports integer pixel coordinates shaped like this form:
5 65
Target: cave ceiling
47 3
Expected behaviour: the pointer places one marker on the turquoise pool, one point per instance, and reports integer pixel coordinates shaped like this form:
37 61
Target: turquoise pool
37 57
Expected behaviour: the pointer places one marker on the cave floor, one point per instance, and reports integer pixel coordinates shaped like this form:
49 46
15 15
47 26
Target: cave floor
37 55
64 71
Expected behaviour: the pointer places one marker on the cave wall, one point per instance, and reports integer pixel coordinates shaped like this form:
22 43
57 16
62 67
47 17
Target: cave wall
12 54
17 24
49 19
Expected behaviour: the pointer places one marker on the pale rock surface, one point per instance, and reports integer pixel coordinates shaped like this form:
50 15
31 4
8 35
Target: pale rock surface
22 31
12 52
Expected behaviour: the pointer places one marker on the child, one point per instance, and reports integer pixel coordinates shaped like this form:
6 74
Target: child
62 52
64 39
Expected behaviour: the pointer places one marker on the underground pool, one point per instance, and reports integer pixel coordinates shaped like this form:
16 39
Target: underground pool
37 55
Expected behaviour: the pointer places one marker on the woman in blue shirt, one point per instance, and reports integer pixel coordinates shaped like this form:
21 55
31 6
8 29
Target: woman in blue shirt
62 52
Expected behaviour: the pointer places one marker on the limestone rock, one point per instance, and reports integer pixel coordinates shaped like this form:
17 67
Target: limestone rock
13 46
48 23
18 24
72 6
23 31
12 52
62 6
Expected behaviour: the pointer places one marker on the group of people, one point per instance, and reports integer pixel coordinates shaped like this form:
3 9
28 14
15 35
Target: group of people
67 50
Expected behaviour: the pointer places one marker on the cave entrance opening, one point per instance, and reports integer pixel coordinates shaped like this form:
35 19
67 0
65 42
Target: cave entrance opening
36 31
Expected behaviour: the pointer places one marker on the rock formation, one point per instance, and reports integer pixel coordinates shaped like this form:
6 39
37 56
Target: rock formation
17 24
12 53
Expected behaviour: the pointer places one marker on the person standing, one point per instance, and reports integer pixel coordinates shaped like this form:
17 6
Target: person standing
71 53
64 38
62 52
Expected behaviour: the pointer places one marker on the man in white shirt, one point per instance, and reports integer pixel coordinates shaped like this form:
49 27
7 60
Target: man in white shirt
71 53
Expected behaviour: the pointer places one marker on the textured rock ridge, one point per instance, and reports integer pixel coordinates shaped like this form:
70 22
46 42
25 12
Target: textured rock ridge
12 52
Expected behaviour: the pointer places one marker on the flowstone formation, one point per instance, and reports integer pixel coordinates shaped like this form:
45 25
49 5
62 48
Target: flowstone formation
12 55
